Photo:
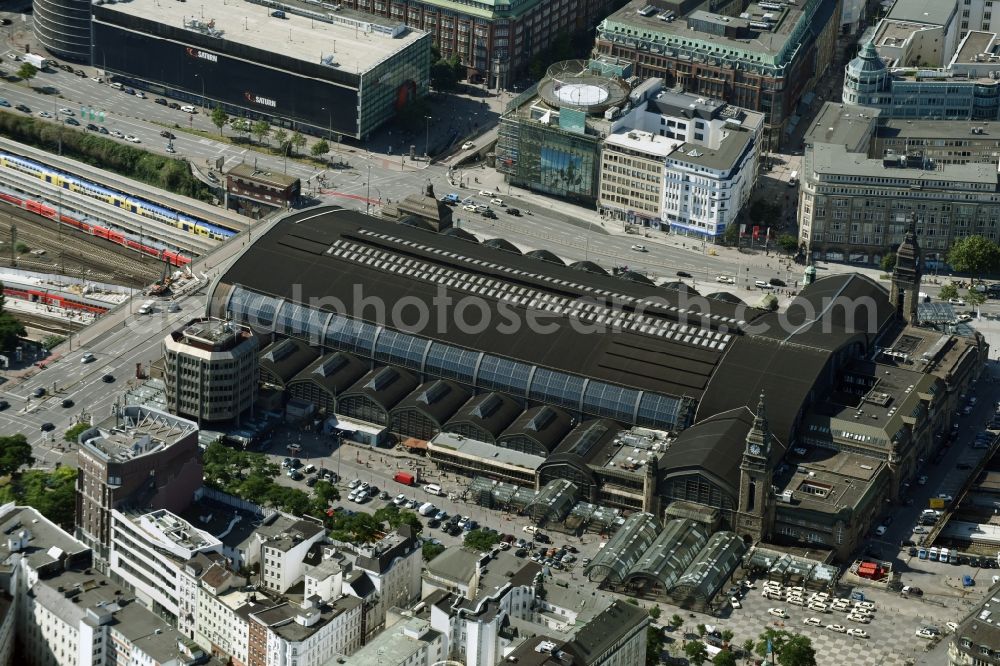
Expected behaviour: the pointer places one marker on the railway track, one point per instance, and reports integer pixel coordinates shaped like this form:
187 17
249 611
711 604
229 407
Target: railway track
48 326
73 252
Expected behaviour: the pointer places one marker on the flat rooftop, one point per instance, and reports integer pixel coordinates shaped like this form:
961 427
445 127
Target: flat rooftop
45 541
353 43
232 526
772 42
397 644
835 160
476 450
731 149
842 124
827 481
974 45
138 431
935 129
261 176
934 12
646 143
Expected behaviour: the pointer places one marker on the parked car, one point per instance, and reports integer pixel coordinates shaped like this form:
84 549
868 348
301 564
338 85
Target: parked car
777 612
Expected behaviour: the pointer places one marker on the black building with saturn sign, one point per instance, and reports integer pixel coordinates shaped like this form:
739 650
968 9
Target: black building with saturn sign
328 73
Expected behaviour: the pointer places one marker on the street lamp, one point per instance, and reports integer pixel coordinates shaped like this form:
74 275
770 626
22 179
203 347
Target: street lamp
427 136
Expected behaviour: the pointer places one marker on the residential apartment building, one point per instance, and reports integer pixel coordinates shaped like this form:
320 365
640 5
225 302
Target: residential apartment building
855 206
310 634
222 624
137 459
496 41
68 614
410 642
148 553
761 58
210 370
279 547
681 161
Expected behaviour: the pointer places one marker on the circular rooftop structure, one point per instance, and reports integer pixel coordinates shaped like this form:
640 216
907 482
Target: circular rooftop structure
571 84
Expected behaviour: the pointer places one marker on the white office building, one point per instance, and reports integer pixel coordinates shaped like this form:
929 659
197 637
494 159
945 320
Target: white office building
680 161
149 552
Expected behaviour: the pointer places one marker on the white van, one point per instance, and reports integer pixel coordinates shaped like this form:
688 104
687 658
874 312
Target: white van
427 509
793 179
116 85
147 307
433 489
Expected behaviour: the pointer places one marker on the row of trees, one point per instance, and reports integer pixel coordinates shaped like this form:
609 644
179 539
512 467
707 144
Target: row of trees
11 328
124 159
289 142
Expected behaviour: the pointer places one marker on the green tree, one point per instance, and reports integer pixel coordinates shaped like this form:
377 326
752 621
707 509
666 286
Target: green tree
219 118
15 452
948 291
326 493
975 255
724 658
481 540
889 262
26 72
240 125
654 612
297 141
747 647
727 635
797 651
21 248
975 298
701 630
444 75
319 148
74 431
776 638
696 652
654 645
788 243
431 550
260 129
280 136
355 528
676 621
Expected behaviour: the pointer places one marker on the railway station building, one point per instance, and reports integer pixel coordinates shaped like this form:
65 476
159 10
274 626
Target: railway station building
641 398
320 71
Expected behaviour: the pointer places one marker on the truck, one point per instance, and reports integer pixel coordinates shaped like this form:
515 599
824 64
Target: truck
34 59
405 478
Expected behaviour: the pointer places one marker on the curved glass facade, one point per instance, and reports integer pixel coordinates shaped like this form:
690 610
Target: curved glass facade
474 368
63 28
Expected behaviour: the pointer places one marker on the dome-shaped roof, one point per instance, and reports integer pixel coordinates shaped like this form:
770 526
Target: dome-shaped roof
457 232
588 266
501 244
868 63
545 255
632 276
726 297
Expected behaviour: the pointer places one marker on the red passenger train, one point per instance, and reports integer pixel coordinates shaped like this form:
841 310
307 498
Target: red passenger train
40 208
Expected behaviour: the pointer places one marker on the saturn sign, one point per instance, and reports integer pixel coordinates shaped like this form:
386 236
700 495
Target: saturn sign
263 101
202 55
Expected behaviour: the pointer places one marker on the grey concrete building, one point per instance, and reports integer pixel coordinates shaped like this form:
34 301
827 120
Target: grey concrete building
211 370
